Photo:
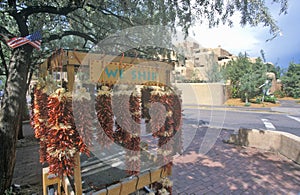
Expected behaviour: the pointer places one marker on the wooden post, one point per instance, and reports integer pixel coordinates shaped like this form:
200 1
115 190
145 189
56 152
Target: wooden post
77 175
50 181
71 77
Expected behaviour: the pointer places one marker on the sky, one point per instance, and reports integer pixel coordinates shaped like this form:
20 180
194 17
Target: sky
280 51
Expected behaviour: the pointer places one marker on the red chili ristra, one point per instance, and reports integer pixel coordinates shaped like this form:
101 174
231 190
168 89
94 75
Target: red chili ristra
63 140
105 117
39 120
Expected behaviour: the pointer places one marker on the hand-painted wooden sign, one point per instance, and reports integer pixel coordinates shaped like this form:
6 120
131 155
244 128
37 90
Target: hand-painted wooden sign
145 73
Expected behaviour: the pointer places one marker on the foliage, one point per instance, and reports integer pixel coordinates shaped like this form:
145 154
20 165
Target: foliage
2 81
214 73
271 99
245 77
247 104
9 191
291 81
279 94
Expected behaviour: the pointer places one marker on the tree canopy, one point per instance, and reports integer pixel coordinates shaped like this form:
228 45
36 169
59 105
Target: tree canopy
291 80
246 77
91 21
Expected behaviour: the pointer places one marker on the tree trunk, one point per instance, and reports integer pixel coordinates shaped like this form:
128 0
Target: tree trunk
24 117
24 110
10 114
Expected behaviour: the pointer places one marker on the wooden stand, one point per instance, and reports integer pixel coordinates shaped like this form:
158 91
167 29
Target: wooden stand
69 62
50 181
125 187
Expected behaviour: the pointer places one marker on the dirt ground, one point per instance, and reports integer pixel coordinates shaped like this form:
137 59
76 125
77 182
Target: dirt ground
238 102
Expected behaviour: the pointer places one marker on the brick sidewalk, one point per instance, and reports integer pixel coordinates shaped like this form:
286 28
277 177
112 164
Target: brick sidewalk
228 169
225 169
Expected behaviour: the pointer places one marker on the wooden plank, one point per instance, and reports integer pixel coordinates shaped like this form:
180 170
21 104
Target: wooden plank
143 180
129 186
43 69
77 175
67 186
84 58
50 181
155 175
71 77
114 189
101 192
146 73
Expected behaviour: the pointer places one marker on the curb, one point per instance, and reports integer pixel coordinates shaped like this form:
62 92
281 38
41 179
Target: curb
276 141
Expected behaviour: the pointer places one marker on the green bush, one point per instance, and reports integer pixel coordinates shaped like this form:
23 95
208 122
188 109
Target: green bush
279 94
271 99
248 104
258 100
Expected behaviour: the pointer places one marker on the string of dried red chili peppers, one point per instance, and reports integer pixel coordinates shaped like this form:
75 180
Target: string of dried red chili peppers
175 107
127 133
39 119
133 154
163 132
82 106
63 141
105 116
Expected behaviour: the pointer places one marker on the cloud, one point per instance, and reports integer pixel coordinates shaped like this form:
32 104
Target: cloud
281 50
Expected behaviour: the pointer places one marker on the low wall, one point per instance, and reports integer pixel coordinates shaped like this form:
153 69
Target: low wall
284 143
202 93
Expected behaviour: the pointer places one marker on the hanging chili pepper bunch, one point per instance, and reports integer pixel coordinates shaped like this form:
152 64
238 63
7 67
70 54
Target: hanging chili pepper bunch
164 131
122 116
146 95
174 105
133 146
105 116
127 110
39 119
82 107
63 141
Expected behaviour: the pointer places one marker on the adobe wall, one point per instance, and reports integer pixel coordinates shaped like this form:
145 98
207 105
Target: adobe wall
202 93
277 141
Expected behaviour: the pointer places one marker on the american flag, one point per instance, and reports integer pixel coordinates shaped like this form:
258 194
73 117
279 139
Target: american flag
34 39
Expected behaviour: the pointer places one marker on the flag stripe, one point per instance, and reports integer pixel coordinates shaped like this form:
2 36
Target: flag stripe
33 39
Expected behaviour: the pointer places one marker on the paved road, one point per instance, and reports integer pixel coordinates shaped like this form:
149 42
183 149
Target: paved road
285 118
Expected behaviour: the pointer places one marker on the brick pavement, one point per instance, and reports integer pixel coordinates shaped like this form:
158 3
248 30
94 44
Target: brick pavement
225 169
229 169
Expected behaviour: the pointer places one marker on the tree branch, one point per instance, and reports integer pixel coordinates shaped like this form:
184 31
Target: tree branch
67 33
3 60
107 12
48 9
5 34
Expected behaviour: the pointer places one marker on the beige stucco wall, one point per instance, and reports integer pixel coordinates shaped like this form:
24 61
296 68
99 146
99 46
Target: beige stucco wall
277 141
202 93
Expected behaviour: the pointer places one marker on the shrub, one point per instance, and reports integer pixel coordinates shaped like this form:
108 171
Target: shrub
271 99
279 94
248 104
258 100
